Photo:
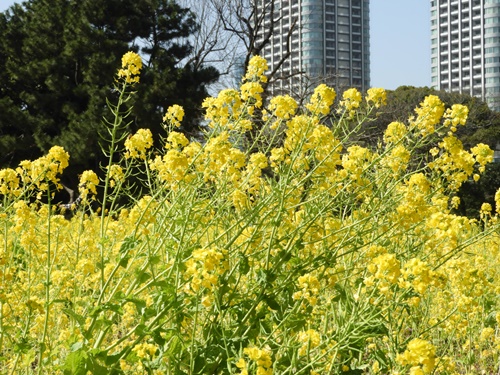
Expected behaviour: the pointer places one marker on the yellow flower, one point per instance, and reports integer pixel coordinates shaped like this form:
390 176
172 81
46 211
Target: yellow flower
395 132
262 357
116 174
250 91
9 182
145 350
497 203
137 144
419 353
309 339
176 140
88 183
483 154
225 107
321 100
309 289
131 67
377 96
418 275
283 107
174 115
429 114
351 101
456 115
242 365
257 66
397 160
487 334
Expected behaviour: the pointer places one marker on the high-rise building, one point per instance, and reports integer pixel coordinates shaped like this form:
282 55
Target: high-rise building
328 41
465 48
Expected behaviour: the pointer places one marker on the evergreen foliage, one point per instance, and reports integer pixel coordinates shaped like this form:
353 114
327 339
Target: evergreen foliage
57 59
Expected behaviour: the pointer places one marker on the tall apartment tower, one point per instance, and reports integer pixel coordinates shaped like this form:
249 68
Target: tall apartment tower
329 42
465 48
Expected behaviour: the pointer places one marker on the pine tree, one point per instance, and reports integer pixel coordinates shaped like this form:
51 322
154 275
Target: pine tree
58 60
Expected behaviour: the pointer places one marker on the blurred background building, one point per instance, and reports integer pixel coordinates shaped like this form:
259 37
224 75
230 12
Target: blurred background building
465 48
316 41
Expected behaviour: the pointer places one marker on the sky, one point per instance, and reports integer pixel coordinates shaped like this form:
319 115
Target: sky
399 42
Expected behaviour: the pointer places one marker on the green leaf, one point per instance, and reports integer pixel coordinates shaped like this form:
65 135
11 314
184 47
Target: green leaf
124 261
80 320
142 276
243 265
76 363
22 346
271 302
140 305
128 244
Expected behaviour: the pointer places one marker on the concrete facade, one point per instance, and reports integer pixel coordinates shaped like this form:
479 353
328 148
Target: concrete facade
330 43
465 48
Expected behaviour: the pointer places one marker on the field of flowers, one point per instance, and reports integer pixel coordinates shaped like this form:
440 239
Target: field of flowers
277 244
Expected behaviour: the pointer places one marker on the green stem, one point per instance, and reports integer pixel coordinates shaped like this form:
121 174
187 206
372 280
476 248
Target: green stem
112 149
47 288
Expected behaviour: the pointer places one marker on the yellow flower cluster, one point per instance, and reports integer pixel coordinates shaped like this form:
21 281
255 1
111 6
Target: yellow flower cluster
418 275
429 114
351 99
397 159
145 350
261 358
309 339
321 100
420 354
44 170
174 115
88 184
257 66
457 165
309 288
415 202
138 144
227 105
456 115
116 175
395 132
289 249
131 67
283 107
376 97
9 182
385 270
203 270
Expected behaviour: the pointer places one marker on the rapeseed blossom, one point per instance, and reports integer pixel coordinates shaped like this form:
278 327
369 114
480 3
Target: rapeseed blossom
88 184
257 67
116 174
309 339
351 99
456 115
262 359
420 354
429 114
321 100
376 96
228 105
138 144
174 115
395 132
283 107
9 182
131 67
293 250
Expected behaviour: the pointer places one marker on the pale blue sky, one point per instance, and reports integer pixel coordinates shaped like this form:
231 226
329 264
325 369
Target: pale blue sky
400 42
